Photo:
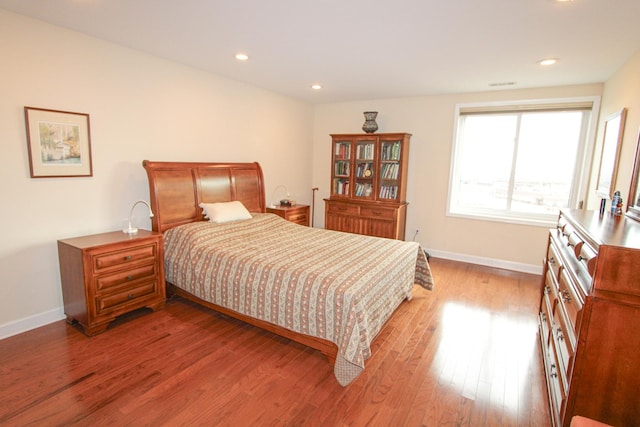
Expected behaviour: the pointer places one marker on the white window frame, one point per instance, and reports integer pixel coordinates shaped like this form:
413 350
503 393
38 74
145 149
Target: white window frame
584 156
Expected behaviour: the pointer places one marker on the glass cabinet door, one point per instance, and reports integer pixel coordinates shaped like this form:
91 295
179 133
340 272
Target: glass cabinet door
390 173
365 169
341 179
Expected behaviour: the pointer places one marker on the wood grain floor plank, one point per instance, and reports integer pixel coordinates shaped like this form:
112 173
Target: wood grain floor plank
465 354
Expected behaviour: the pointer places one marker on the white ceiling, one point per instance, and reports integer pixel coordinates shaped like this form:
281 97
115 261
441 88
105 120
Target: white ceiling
361 50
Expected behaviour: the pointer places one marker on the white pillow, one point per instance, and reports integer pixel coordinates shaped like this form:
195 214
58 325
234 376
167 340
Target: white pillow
225 212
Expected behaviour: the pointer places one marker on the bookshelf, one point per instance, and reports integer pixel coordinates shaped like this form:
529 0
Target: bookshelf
368 184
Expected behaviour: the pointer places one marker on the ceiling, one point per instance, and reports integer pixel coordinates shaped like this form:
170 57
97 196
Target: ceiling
361 50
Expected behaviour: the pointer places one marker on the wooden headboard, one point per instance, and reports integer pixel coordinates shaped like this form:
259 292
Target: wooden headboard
177 188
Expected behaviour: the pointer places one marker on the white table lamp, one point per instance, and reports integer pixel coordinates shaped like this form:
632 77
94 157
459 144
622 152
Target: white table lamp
130 229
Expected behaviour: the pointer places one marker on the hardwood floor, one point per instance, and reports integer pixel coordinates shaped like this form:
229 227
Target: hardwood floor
465 354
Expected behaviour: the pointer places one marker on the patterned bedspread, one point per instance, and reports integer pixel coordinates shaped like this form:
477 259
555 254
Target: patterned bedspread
337 286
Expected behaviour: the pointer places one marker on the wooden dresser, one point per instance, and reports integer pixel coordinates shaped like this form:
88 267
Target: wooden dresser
109 274
590 318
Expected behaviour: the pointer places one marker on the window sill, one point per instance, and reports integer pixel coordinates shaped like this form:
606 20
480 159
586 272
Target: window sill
541 222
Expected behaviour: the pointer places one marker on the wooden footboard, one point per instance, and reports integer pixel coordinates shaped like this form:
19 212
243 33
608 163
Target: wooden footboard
329 349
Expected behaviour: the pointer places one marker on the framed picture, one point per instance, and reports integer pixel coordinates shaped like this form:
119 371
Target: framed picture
613 130
633 202
59 143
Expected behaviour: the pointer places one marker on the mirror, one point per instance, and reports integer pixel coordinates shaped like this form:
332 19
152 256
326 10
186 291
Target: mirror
633 202
613 128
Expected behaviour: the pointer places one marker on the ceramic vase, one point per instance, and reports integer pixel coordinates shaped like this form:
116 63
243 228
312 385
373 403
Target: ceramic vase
370 124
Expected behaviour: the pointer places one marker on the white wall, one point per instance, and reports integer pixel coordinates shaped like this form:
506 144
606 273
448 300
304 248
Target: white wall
431 121
622 90
141 107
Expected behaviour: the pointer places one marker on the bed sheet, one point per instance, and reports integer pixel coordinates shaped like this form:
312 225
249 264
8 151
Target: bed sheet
337 286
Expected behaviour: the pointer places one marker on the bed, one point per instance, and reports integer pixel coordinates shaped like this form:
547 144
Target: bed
328 290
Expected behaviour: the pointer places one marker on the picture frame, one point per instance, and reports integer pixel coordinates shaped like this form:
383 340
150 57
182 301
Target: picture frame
59 143
633 202
612 141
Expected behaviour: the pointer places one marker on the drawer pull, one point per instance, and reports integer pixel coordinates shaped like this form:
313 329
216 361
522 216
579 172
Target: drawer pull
560 336
127 258
552 261
547 290
566 296
376 212
129 277
130 296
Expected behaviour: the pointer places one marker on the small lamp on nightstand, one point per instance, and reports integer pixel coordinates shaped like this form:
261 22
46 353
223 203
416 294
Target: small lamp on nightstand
130 229
284 202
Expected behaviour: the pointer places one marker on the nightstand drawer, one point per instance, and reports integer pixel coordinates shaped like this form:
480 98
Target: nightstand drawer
111 259
111 301
300 218
105 282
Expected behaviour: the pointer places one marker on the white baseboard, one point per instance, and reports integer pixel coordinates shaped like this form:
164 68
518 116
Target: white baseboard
27 323
489 262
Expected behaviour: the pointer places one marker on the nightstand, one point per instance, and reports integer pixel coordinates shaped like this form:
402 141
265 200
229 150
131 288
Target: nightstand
109 274
296 213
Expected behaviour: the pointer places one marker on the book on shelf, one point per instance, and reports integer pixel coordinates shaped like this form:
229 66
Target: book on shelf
341 187
363 190
390 170
342 150
365 151
389 192
391 150
364 170
342 168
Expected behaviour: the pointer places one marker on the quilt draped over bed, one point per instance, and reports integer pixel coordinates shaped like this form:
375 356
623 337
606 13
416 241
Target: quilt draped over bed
337 286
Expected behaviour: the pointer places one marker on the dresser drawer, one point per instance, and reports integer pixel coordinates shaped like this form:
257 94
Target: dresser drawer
546 316
564 347
575 242
557 390
555 377
343 209
379 213
588 257
553 259
108 281
570 305
130 295
112 259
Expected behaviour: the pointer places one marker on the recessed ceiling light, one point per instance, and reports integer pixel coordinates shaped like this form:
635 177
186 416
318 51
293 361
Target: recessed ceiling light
316 86
497 84
242 56
547 61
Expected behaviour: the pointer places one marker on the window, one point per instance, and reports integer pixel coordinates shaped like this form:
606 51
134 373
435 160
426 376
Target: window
521 162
